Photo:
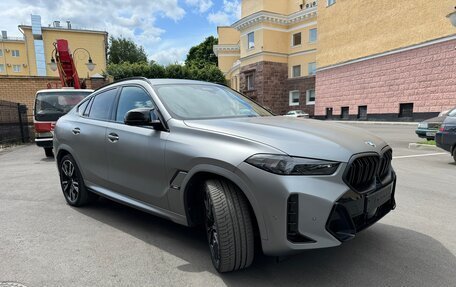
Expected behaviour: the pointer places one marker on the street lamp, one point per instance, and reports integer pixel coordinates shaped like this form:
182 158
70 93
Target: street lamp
452 17
53 64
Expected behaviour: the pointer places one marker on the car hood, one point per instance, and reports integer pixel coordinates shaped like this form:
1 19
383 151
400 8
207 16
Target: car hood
297 137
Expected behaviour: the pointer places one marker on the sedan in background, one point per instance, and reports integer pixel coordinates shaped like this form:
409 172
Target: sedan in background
297 114
428 128
446 137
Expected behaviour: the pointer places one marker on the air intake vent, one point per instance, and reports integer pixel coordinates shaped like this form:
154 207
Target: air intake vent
361 172
292 221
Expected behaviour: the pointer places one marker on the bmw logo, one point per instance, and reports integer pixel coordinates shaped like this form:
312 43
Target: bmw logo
370 143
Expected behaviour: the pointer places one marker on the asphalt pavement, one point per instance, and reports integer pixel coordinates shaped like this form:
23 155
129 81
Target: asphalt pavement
45 242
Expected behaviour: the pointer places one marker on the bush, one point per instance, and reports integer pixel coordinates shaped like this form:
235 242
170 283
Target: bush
208 72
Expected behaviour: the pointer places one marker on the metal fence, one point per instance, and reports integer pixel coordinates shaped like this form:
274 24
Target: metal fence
13 123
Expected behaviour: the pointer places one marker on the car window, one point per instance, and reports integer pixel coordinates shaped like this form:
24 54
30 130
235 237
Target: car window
132 98
200 101
82 107
101 105
452 113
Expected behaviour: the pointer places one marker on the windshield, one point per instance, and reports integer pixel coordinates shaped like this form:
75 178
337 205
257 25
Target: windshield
452 113
199 101
50 105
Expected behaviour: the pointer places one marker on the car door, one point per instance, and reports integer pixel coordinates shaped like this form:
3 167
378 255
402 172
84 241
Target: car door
136 154
89 137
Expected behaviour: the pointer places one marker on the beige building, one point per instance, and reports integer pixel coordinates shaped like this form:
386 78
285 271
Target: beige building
348 59
31 54
270 53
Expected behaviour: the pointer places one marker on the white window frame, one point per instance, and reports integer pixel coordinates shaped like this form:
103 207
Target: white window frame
308 101
250 84
18 70
309 72
15 53
292 71
310 35
293 44
1 53
290 98
2 68
248 41
330 2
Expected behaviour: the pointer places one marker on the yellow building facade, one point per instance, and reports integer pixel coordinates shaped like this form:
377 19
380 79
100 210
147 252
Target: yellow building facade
271 51
31 54
347 59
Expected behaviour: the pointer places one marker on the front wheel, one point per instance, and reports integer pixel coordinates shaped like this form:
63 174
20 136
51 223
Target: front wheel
454 154
228 226
74 190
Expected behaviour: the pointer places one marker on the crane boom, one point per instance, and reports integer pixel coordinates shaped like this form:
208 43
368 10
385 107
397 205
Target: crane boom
65 64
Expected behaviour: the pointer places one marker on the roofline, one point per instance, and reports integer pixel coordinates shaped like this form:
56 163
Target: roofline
63 90
123 80
67 30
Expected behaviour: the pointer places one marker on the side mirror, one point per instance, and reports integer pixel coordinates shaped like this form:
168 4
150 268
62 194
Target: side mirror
143 117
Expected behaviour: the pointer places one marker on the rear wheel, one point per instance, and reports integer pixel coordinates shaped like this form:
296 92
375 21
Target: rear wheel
48 152
454 153
72 183
228 226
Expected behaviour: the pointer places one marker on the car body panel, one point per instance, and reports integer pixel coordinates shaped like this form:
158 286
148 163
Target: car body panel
152 169
446 139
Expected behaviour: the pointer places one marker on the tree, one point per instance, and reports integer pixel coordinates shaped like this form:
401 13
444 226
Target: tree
203 53
124 50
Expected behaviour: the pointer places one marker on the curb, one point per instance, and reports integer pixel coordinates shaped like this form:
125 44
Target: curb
423 146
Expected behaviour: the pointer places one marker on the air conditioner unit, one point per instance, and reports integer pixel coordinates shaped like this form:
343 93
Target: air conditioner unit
7 50
24 65
307 5
8 65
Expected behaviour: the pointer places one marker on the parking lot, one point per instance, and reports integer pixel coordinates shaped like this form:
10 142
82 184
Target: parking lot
45 242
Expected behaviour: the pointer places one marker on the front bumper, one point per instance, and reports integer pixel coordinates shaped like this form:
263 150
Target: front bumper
44 142
309 212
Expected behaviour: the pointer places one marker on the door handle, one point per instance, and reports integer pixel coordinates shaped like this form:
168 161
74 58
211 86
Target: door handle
113 137
76 131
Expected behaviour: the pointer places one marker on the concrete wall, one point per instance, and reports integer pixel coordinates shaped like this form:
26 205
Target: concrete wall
423 76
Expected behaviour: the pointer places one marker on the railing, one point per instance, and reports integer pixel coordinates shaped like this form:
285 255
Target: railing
13 123
11 38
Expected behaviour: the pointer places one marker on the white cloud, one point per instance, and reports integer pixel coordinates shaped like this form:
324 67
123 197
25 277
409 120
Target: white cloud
170 56
202 5
118 17
230 12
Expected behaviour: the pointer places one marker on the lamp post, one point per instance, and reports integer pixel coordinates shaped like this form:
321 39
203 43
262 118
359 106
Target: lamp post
53 64
452 17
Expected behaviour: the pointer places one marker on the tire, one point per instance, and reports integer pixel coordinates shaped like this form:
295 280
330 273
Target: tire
48 152
454 154
229 226
71 182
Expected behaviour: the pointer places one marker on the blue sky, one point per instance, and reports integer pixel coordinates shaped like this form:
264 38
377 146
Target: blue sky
165 28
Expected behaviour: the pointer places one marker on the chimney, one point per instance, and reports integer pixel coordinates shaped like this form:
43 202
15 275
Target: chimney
68 24
4 35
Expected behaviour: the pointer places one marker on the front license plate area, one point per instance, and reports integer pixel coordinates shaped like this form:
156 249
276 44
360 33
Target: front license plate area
378 198
430 134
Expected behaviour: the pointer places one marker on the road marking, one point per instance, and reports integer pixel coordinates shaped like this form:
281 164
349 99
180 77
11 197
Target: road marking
419 155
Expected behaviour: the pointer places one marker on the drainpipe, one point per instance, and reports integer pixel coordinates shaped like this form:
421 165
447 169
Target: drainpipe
4 57
26 49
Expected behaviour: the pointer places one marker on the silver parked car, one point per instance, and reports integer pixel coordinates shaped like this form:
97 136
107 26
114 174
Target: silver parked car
198 153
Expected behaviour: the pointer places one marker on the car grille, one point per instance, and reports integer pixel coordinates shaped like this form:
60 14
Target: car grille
434 126
363 172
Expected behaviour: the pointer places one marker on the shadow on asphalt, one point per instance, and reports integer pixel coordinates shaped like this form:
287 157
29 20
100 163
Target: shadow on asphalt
382 255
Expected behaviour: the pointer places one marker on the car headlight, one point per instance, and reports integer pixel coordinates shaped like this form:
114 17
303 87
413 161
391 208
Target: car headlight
423 125
287 165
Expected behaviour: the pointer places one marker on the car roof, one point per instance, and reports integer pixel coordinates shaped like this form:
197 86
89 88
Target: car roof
154 82
64 90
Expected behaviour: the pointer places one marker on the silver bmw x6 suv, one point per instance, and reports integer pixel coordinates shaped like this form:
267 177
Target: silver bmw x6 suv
198 153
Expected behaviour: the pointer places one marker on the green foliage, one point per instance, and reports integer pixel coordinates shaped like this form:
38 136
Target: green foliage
203 53
209 72
124 50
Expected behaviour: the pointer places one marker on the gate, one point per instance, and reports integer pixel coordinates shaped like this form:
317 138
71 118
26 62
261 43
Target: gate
13 123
